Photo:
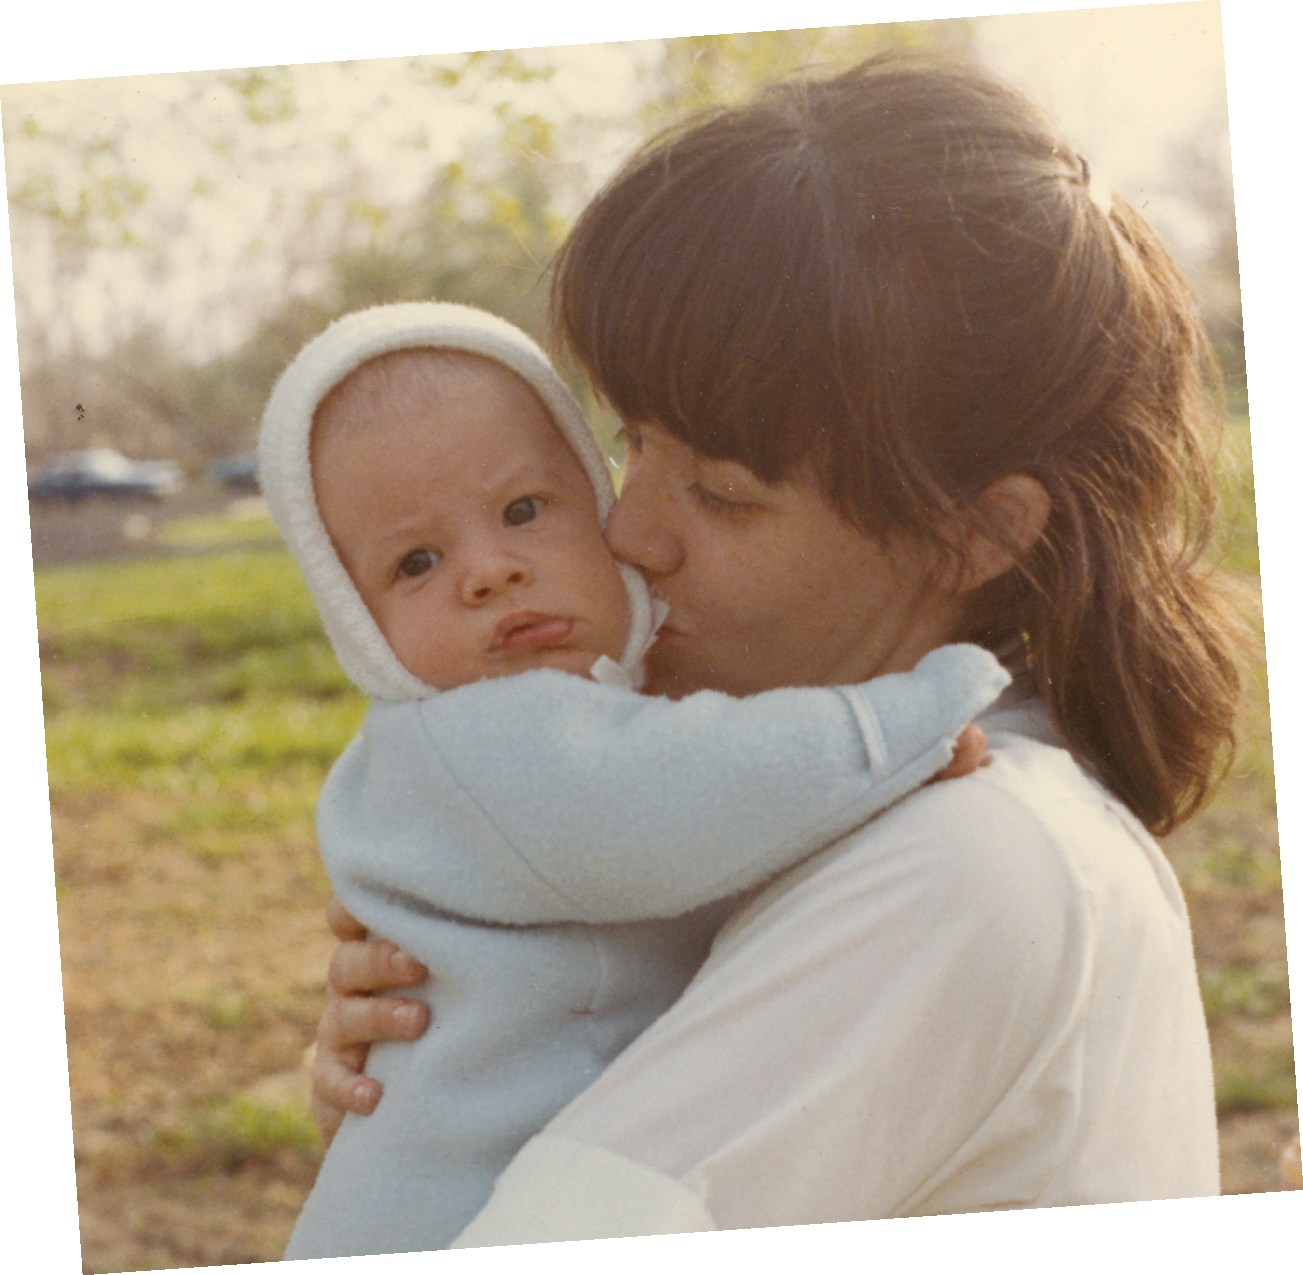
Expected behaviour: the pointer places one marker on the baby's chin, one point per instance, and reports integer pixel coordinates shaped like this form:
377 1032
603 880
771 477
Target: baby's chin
578 661
564 659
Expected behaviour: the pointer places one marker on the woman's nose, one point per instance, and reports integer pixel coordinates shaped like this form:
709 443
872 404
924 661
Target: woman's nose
637 531
493 573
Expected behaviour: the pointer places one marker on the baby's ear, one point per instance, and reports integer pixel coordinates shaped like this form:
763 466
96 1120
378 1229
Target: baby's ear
1012 513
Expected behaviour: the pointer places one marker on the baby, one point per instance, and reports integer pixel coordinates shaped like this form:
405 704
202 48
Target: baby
556 848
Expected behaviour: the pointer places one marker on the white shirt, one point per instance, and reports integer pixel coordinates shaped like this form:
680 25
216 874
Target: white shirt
986 998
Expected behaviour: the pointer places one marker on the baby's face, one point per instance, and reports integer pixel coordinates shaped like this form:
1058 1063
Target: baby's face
465 520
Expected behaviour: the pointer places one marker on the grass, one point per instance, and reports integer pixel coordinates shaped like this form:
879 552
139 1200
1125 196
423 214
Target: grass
221 531
177 673
1239 512
233 1131
1245 989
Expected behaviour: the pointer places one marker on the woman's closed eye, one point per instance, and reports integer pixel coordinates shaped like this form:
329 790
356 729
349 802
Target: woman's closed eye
521 511
716 503
418 562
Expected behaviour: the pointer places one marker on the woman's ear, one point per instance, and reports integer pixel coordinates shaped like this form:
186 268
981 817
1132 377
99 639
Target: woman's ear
1014 509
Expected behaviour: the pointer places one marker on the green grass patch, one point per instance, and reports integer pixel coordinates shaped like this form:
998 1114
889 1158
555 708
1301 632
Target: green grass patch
171 751
235 1131
220 531
223 826
1243 1090
1238 548
179 672
1234 860
240 592
1244 989
230 1012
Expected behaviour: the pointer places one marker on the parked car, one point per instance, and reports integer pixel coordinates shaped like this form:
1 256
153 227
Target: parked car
100 471
237 473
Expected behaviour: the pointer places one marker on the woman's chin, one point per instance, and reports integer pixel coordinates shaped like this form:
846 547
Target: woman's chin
668 676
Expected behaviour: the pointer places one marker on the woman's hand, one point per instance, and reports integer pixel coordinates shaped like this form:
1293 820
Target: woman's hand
353 1019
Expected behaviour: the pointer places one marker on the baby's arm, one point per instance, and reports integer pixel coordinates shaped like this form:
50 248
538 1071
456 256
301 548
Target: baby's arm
545 798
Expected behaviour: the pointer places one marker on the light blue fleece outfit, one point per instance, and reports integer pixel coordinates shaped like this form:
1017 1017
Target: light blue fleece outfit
547 846
559 852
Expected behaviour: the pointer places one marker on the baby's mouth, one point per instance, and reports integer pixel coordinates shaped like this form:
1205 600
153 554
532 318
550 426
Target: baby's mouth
530 631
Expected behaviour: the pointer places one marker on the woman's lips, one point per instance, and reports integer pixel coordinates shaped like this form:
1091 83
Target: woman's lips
530 631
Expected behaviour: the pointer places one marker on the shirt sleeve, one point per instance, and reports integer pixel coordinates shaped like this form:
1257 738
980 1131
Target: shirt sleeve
551 798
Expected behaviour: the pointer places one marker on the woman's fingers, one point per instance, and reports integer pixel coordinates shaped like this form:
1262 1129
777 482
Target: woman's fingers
344 1035
343 924
338 1086
352 1021
359 966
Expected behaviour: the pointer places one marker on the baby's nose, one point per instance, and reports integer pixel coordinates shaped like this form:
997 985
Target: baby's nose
494 575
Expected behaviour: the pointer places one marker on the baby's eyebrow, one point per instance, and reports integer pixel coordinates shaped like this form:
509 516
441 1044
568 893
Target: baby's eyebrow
405 535
526 475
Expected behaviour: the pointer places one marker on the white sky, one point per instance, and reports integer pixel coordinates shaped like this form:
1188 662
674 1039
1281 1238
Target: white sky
1122 83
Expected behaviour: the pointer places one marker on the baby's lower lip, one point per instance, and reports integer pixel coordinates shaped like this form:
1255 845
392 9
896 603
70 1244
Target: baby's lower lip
534 633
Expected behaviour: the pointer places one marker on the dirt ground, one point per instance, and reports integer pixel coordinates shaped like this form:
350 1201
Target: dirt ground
186 980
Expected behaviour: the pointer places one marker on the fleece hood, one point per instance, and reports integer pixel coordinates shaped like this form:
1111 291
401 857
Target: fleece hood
285 472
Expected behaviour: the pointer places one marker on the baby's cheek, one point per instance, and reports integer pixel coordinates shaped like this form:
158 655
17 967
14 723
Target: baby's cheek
426 650
619 613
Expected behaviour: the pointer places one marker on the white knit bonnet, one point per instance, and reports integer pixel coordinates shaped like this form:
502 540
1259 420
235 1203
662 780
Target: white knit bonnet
285 471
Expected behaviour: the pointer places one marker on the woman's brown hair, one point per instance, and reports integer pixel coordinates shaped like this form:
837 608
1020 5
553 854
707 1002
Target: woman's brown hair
898 276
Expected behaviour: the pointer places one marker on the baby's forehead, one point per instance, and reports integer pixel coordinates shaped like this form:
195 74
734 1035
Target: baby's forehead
422 373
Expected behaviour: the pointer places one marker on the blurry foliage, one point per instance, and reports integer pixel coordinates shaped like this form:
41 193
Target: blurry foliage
1199 169
709 70
90 200
1244 989
267 94
1238 542
486 66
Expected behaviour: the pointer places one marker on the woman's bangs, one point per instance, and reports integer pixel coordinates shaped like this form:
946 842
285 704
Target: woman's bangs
667 296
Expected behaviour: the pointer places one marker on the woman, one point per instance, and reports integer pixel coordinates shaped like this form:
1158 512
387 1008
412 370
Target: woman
894 373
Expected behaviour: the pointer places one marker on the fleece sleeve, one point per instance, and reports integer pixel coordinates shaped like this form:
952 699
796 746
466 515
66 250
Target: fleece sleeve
545 798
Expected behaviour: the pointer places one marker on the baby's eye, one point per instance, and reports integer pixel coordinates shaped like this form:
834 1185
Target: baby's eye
418 562
521 511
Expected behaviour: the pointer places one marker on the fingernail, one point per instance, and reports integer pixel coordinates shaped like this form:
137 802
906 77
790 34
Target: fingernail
362 1092
407 1017
406 966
